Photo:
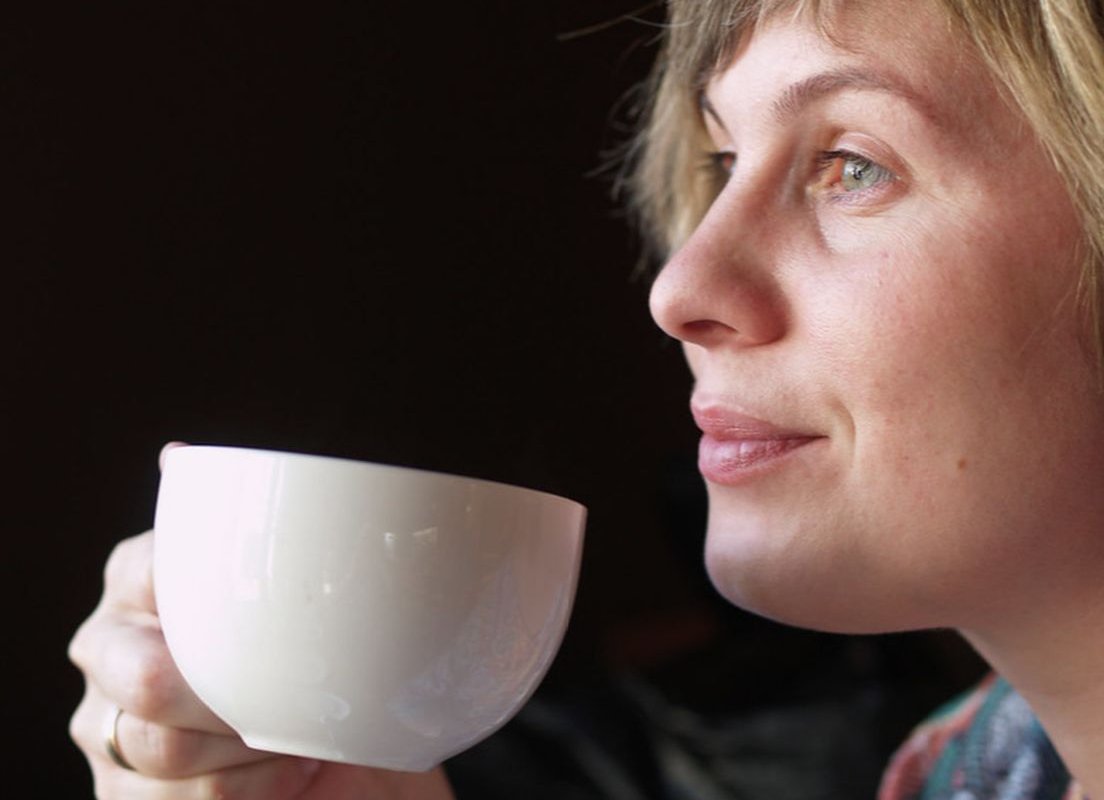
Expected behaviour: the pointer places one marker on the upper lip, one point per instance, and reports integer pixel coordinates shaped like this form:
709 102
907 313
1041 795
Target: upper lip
726 423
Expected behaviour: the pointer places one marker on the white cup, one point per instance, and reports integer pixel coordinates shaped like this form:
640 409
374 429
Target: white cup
357 612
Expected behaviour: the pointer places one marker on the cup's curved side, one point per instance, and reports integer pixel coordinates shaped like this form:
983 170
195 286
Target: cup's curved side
327 610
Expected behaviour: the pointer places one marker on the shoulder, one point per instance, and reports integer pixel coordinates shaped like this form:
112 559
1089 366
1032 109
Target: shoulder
984 745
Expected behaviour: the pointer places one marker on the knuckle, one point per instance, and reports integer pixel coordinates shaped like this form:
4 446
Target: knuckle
77 649
129 558
78 726
154 684
82 647
221 786
277 779
172 752
119 561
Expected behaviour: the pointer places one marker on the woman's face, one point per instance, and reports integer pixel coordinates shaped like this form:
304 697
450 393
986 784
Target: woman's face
901 425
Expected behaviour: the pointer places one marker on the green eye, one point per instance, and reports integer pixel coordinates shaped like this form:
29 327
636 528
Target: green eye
858 173
842 172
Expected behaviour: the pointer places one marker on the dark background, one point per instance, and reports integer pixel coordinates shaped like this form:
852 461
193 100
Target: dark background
375 230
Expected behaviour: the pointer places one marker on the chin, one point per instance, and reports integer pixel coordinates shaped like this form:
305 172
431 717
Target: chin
805 586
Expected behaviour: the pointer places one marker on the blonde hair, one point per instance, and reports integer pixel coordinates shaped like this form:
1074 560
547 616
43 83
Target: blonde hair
1047 54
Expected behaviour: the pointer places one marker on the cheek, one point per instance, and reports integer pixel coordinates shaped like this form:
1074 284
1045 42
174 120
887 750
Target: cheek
944 351
962 357
950 313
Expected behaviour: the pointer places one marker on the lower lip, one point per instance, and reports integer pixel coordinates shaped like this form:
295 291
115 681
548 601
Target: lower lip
730 462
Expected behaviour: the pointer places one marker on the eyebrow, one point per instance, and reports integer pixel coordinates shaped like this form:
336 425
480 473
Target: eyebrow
807 91
798 96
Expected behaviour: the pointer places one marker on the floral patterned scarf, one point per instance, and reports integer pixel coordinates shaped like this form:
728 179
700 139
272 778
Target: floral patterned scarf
986 745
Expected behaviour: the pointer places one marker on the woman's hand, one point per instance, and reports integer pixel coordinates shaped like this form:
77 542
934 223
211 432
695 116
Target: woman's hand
172 746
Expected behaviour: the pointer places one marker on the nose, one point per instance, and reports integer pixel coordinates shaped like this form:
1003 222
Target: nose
719 288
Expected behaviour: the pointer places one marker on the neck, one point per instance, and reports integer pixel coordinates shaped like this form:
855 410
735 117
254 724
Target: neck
1053 653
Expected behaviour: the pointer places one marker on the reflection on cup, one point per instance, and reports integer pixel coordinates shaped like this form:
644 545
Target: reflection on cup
358 612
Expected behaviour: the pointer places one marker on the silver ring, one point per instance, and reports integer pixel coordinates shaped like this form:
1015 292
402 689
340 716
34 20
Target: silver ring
111 740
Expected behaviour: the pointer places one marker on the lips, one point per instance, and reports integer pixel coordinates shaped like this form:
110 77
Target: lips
736 447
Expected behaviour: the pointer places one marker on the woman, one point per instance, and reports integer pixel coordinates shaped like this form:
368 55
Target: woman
886 220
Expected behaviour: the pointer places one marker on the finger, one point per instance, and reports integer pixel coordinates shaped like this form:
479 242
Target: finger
128 576
127 601
131 665
282 778
122 650
350 780
165 451
165 752
156 750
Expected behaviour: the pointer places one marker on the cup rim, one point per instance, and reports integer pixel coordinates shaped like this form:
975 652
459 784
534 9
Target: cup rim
297 455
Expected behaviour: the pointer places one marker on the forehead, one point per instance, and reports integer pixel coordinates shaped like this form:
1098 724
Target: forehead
911 46
907 48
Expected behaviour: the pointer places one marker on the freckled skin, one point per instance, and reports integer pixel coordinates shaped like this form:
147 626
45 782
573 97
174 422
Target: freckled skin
927 329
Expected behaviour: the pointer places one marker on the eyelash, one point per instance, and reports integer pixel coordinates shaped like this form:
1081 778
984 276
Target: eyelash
720 163
829 158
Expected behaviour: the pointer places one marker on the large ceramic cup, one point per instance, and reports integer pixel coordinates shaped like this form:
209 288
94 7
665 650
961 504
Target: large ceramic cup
356 612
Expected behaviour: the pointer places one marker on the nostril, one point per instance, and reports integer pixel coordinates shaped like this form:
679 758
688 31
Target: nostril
702 330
